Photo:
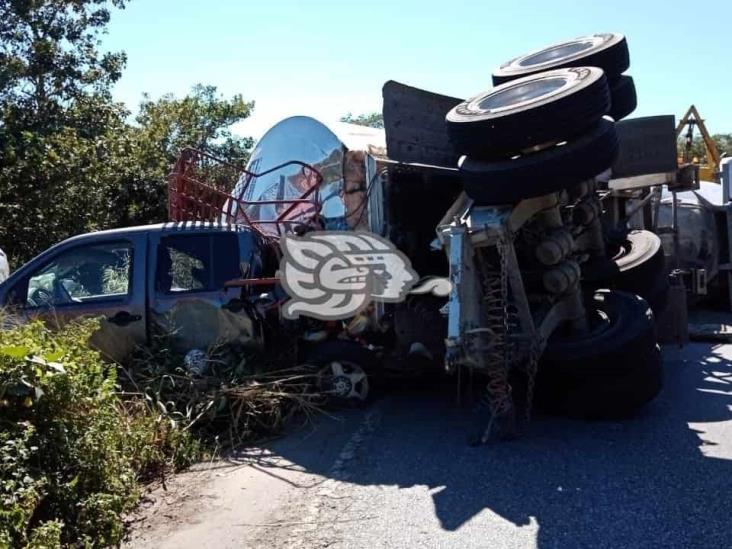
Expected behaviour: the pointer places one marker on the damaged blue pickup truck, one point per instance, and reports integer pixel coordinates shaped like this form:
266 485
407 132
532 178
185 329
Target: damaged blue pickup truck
169 276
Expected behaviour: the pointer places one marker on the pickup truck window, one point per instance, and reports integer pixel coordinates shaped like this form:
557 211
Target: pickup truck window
196 263
91 273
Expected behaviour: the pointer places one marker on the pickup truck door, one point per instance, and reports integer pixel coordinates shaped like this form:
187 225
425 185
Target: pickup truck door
186 284
99 277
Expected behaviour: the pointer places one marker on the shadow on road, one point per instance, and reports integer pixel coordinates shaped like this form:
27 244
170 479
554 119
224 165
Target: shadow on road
663 479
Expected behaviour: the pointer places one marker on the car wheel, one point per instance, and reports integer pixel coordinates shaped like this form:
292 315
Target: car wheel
525 176
529 112
344 371
607 51
609 372
623 97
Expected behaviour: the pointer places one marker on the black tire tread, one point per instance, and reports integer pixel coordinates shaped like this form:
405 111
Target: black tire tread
607 376
643 274
610 398
634 331
623 98
551 170
614 60
556 120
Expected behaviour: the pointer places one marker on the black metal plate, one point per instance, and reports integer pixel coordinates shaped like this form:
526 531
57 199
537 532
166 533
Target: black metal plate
647 145
414 121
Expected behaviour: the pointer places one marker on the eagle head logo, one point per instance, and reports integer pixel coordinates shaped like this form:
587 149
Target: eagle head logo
333 275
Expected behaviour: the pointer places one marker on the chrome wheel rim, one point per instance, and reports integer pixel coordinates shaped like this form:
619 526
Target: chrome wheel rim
561 51
345 381
523 93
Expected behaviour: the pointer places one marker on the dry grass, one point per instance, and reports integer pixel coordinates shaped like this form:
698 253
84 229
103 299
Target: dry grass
243 396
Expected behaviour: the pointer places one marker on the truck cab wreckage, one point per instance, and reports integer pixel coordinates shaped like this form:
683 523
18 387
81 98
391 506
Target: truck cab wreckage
552 296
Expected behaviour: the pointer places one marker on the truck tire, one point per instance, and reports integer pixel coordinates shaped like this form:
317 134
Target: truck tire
612 397
539 109
607 51
623 97
551 170
639 267
640 261
609 373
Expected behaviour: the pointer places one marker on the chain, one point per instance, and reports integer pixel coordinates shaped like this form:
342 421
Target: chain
531 369
510 323
495 345
493 336
501 248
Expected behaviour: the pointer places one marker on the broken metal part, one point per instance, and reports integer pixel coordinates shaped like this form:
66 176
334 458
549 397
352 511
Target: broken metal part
196 362
486 224
463 305
491 325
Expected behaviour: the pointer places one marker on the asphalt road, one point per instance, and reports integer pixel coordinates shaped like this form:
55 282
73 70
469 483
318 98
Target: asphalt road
399 474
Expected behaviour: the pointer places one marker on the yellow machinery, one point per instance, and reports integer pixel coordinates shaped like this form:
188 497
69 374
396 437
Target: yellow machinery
708 167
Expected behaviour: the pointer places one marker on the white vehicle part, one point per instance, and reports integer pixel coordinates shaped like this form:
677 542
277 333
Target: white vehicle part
725 168
4 267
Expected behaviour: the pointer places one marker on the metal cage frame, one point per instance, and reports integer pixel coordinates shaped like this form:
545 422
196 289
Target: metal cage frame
191 199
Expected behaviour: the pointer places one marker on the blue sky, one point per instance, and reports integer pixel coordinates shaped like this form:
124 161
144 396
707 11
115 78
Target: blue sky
326 58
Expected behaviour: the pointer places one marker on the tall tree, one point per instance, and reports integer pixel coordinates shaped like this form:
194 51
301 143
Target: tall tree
49 57
70 161
55 114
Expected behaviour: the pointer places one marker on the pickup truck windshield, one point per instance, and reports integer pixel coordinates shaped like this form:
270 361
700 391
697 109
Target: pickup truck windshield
83 274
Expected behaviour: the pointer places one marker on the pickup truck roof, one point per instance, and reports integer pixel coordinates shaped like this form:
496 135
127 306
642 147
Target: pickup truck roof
169 227
162 228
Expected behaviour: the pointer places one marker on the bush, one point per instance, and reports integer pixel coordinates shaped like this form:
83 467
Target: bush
71 451
76 442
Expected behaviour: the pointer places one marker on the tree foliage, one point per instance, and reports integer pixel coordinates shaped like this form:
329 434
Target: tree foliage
163 127
71 160
49 58
372 120
698 149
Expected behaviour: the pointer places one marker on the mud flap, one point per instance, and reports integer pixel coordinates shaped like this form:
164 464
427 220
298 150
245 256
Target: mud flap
414 122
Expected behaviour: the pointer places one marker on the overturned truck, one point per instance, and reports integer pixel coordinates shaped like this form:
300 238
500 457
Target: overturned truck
550 298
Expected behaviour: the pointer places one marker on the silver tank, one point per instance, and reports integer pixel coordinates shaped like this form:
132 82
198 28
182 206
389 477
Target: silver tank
336 152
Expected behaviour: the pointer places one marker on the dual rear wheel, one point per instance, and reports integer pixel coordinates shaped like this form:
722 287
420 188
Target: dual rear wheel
543 127
610 371
548 125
